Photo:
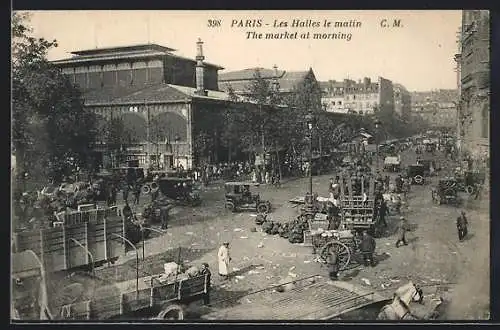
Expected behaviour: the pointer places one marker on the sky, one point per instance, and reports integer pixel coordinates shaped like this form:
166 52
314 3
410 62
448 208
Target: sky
418 54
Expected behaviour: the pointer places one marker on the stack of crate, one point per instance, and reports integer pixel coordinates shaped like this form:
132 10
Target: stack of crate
320 220
357 211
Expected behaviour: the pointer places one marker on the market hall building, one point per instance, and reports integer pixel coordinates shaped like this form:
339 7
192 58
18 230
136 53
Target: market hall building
157 95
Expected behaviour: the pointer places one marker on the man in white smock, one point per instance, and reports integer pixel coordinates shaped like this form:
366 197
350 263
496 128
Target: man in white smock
224 259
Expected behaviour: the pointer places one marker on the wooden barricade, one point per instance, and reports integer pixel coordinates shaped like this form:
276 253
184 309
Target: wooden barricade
92 229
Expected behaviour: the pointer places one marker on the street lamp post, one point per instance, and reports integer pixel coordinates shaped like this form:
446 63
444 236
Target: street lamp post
377 140
177 139
136 261
143 228
88 253
309 121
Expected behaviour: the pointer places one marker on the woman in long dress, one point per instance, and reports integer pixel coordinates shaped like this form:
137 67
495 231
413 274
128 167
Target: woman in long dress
224 259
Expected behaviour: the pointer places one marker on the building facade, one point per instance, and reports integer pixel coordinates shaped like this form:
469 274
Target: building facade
474 102
155 96
402 101
134 66
332 97
437 107
284 82
362 97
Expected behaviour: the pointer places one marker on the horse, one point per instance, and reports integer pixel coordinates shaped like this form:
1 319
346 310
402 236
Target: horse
399 308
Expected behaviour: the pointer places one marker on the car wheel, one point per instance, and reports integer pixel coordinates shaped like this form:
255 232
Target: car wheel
230 206
263 208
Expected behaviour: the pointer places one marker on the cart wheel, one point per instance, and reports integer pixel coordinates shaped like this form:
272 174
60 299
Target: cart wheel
418 179
146 189
171 312
342 251
230 206
262 208
470 190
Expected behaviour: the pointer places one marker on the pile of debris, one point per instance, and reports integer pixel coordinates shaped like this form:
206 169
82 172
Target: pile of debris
291 230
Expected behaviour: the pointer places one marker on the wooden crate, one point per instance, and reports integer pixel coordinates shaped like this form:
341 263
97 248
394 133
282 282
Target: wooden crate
320 220
307 238
75 311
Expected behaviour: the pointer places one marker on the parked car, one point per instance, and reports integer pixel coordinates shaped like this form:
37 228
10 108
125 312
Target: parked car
239 197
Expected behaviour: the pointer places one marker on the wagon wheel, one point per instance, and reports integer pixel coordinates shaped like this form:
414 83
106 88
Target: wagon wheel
171 312
342 251
470 189
418 179
449 192
263 208
146 189
230 206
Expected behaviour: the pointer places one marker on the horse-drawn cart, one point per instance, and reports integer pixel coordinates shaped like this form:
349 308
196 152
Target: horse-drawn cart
341 242
446 192
152 299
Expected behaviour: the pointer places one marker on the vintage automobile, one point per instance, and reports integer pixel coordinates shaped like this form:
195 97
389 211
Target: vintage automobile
430 166
416 174
239 197
446 192
182 190
471 181
392 163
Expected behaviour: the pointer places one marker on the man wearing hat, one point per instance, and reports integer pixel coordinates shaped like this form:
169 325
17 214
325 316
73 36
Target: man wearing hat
333 265
367 248
224 259
402 229
205 271
462 226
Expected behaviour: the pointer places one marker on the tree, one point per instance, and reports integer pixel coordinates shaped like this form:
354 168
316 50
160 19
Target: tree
262 116
51 130
304 98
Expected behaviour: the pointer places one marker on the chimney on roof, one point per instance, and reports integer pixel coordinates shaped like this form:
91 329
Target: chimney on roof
366 81
276 76
200 69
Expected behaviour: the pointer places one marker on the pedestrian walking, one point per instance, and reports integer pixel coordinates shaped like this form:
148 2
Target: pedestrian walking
206 271
333 265
164 217
154 194
137 193
125 192
126 211
406 187
462 226
382 212
401 232
113 192
367 247
224 259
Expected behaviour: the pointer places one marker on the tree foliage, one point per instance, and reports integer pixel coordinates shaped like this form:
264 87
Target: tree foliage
51 130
